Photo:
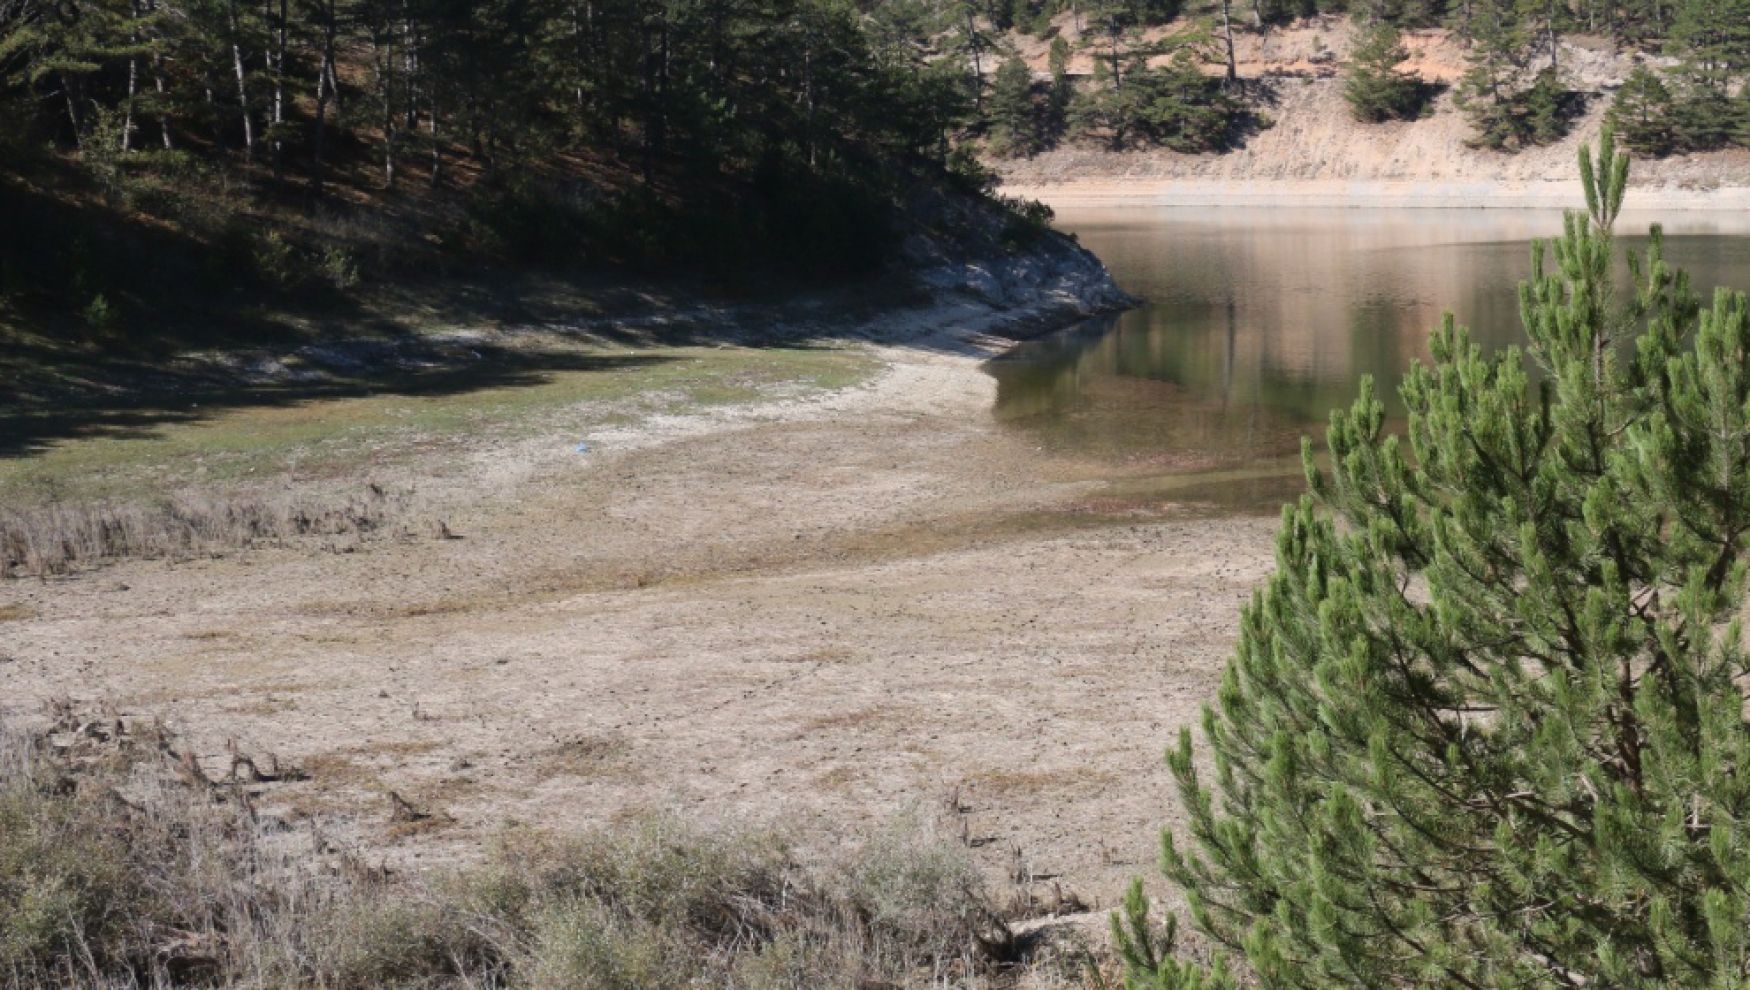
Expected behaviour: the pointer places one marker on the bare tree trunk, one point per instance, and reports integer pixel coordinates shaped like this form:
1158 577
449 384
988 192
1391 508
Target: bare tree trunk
279 92
1227 27
73 111
577 44
128 107
437 154
385 42
326 93
1554 42
242 82
977 61
410 41
158 86
808 89
219 141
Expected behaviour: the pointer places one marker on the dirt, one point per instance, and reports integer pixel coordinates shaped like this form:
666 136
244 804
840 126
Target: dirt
818 613
1314 153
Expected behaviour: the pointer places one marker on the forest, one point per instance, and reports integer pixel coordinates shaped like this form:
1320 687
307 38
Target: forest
698 133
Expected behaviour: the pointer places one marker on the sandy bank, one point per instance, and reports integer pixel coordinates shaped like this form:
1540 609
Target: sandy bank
1314 153
1380 193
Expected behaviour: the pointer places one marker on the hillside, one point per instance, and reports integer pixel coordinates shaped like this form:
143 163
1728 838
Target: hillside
1314 152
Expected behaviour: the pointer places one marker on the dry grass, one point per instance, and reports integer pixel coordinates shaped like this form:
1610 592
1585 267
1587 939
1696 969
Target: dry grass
587 755
59 538
122 864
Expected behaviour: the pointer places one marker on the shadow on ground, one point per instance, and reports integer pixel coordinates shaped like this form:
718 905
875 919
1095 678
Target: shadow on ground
28 429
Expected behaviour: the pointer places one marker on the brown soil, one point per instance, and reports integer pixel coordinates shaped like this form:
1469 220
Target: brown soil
818 614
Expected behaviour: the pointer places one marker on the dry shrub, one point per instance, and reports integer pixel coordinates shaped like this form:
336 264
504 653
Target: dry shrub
59 538
122 867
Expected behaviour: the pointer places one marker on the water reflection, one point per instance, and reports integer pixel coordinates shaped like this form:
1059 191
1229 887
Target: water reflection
1258 322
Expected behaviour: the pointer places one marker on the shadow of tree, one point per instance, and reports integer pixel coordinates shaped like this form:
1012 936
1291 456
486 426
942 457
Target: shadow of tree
28 430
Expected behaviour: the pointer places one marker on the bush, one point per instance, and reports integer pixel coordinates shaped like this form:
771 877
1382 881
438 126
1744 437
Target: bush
339 269
99 315
119 865
276 262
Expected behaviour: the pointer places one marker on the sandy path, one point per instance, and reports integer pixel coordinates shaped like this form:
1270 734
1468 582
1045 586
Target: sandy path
815 613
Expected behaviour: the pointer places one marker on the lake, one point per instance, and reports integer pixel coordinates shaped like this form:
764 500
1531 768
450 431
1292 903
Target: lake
1257 322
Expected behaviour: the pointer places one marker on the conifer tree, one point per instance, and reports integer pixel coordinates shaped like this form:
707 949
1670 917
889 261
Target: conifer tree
1484 725
1642 113
1014 117
1375 88
1058 98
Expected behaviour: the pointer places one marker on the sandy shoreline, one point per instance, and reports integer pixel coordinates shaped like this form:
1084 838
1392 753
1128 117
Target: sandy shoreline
1360 194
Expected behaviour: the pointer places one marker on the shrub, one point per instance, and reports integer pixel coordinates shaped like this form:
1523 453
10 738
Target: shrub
339 269
122 866
99 315
276 261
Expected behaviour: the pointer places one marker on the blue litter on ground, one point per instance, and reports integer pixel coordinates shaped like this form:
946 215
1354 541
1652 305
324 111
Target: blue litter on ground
583 448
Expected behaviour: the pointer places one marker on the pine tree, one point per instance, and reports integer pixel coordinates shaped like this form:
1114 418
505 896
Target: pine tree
1062 91
1495 62
1484 726
1374 87
1642 113
1013 115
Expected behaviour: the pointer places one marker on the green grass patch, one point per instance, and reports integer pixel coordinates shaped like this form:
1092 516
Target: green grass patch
267 435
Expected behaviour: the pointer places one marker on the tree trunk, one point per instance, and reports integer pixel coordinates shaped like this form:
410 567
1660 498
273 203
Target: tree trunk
410 42
325 94
242 80
158 86
977 61
437 155
1227 27
1554 42
128 107
279 92
72 111
385 42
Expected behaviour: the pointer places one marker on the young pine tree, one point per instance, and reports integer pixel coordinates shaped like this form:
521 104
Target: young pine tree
1484 727
1374 87
1013 114
1643 112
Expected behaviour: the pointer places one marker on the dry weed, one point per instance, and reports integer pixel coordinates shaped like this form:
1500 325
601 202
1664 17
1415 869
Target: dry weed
124 864
59 538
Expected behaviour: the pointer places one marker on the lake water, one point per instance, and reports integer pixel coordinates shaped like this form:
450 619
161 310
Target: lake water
1257 322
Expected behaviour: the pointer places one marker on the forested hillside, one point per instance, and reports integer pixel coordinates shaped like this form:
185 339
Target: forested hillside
159 154
302 147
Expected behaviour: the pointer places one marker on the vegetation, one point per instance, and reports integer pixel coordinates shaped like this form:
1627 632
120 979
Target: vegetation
1698 105
1514 89
1484 727
1375 88
175 153
123 863
1177 106
1644 113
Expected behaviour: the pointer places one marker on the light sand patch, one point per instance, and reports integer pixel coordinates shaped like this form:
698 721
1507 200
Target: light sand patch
814 613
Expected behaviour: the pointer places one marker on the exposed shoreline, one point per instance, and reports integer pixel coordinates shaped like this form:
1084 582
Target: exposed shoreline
1360 194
